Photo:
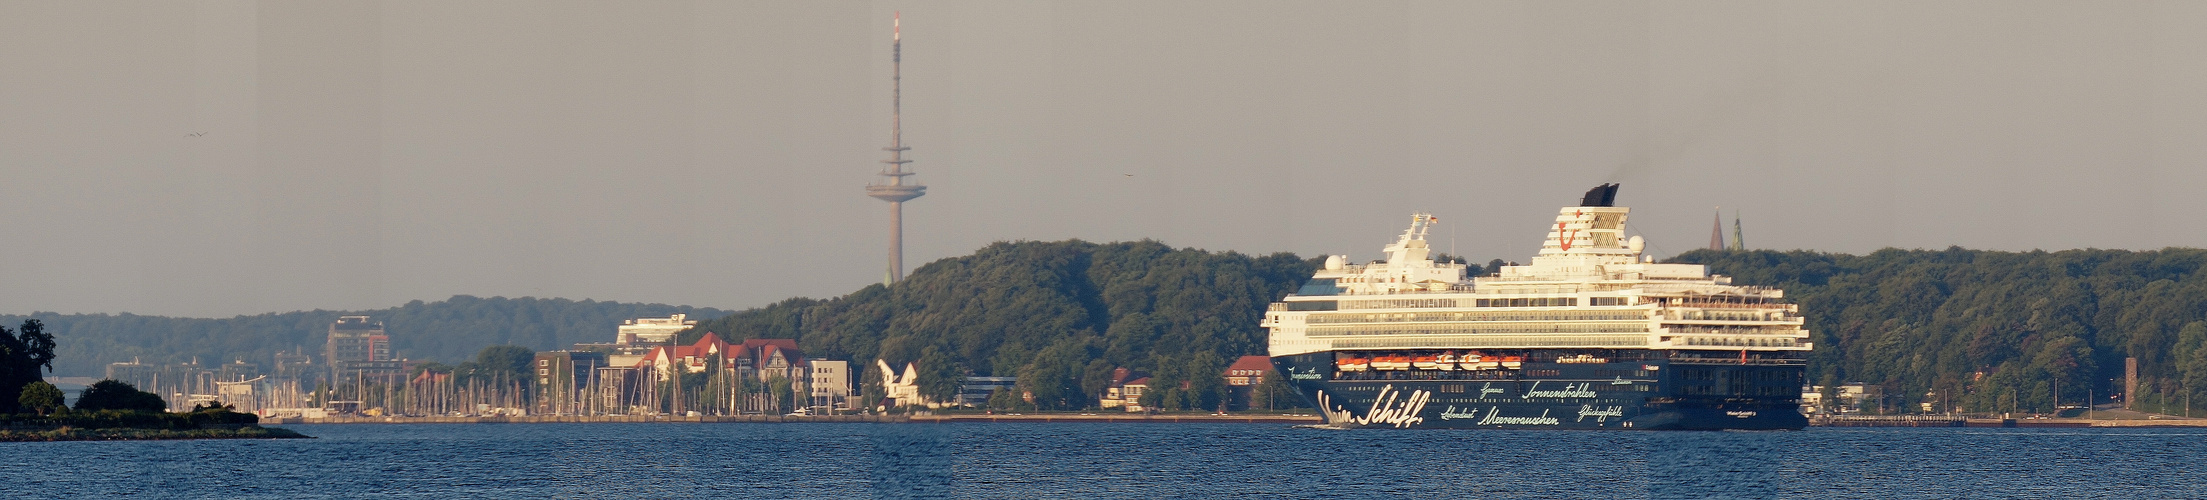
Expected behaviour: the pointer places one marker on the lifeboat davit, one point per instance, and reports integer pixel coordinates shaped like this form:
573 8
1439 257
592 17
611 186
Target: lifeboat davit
1425 362
1353 364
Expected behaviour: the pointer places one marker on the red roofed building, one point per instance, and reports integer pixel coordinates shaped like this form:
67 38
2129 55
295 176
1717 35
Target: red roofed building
1125 390
762 360
1242 379
1248 371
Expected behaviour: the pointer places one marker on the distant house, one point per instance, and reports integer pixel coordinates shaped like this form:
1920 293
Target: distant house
1242 379
763 360
1125 390
902 389
1130 394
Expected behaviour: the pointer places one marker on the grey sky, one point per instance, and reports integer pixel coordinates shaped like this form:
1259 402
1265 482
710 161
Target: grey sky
359 155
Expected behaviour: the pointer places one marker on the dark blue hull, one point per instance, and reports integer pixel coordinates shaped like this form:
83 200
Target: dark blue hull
1657 393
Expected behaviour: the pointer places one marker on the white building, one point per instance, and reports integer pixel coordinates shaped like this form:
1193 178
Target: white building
831 385
654 331
903 389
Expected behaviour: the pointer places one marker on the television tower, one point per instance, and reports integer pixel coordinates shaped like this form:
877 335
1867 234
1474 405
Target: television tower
894 190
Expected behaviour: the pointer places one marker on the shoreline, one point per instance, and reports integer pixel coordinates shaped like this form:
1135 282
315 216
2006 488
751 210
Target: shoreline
714 419
135 434
1867 421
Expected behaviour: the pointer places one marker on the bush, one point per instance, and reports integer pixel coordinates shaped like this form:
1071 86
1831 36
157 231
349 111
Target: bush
40 397
114 395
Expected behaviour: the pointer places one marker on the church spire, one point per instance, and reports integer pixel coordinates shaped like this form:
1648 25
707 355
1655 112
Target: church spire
1716 230
1739 241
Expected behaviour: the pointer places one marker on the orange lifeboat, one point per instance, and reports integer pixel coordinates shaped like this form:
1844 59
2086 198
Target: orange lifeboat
1513 362
1476 361
1446 362
1425 362
1391 363
1352 364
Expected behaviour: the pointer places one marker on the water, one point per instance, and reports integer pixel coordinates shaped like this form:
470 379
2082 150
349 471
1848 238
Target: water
1116 461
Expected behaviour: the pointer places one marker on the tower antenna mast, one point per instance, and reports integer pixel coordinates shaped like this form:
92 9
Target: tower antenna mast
893 188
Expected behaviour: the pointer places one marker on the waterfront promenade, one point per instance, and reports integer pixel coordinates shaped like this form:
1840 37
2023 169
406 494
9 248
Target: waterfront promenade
1958 421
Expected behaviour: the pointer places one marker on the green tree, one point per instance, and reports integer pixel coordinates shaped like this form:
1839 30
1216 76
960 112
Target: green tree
115 395
22 357
500 366
780 394
40 397
939 377
2191 358
1205 373
1275 393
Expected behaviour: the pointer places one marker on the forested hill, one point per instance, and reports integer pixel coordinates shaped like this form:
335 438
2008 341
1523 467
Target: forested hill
1981 327
449 330
1059 315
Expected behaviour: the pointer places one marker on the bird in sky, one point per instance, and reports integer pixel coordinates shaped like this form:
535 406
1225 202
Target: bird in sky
195 134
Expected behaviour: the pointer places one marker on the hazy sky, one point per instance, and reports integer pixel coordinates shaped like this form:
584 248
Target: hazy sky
235 157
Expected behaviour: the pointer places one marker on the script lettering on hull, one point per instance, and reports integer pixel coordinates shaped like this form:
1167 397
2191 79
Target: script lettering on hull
1600 413
1579 390
1389 407
1494 417
1454 414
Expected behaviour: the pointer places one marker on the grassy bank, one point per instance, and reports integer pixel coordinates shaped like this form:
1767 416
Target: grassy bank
130 434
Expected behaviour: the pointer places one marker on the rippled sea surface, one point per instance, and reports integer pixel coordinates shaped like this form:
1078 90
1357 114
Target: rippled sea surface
1058 460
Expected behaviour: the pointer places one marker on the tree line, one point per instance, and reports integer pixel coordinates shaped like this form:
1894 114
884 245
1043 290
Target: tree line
449 330
1061 316
27 352
1989 331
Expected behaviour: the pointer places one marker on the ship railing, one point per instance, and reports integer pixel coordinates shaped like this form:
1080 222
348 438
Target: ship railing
1706 304
1738 361
1890 421
1789 330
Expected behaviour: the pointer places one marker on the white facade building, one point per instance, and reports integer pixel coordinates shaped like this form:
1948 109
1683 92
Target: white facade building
656 331
904 389
831 385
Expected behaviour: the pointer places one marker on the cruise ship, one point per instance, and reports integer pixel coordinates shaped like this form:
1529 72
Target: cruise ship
1593 334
